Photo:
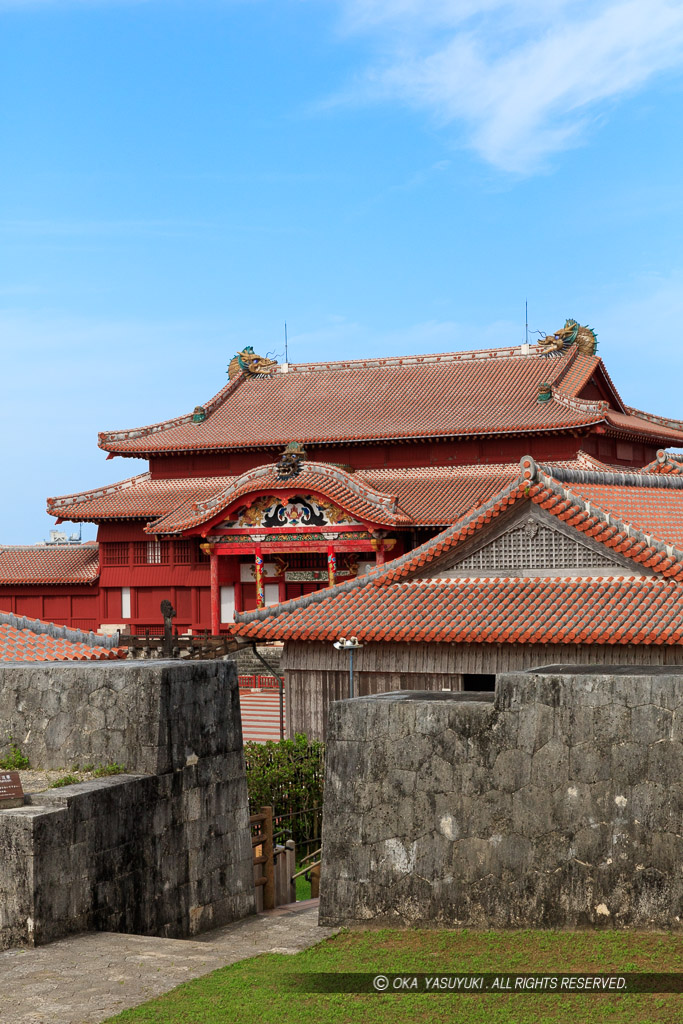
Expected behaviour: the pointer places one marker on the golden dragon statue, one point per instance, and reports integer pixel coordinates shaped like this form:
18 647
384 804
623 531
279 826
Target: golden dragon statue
585 339
251 365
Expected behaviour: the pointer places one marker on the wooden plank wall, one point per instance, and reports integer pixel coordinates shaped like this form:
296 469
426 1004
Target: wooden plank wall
316 674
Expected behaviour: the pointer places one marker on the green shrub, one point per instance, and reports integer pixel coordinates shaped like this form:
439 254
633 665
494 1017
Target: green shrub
66 780
15 761
107 769
287 775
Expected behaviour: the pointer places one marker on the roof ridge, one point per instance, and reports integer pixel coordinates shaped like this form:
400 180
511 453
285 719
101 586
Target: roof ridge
505 352
534 472
664 459
365 490
65 500
217 503
617 478
660 421
91 545
75 636
580 404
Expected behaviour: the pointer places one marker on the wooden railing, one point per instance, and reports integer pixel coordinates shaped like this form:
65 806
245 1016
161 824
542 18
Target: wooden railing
262 845
274 878
199 647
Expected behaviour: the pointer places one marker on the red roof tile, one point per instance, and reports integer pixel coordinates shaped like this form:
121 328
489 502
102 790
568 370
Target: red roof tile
640 610
138 497
26 640
646 425
71 563
493 391
665 463
578 372
381 606
398 496
486 392
436 495
659 513
347 490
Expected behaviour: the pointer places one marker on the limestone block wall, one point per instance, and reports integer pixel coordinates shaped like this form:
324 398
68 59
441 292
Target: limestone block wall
559 804
163 851
146 718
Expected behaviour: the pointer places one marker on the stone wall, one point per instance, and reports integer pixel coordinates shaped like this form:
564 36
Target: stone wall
249 665
164 851
559 804
148 718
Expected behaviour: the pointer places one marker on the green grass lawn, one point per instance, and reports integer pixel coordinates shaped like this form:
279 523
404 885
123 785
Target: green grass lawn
254 991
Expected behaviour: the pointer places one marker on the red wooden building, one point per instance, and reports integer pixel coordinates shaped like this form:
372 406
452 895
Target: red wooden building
297 476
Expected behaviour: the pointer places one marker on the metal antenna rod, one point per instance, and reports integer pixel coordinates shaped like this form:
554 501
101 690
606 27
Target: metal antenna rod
286 355
526 317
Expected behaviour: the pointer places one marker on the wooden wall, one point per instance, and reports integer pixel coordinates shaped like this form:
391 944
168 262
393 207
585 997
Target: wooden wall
316 674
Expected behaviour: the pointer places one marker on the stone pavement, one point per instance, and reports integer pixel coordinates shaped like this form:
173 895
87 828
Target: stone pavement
89 977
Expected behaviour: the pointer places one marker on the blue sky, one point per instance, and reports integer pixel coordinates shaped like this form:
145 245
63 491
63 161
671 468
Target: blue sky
178 177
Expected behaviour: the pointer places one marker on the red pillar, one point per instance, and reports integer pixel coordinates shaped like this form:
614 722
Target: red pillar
379 555
215 595
331 565
260 592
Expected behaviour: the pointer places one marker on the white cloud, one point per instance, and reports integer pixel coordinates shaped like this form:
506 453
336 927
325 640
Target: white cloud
522 76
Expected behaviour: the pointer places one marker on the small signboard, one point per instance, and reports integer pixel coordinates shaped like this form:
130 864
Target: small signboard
11 791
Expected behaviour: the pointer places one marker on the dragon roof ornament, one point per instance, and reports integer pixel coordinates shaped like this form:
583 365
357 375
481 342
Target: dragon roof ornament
573 333
251 365
291 461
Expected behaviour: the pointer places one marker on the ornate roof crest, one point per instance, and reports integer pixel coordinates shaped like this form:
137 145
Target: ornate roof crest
251 365
291 461
585 339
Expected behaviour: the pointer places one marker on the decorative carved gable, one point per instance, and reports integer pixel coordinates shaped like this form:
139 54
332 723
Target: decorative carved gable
530 546
275 512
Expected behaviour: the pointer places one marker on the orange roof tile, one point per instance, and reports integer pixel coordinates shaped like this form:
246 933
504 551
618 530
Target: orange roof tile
665 463
455 394
32 640
637 610
68 563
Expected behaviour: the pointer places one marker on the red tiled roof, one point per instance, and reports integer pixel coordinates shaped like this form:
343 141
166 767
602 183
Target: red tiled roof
654 512
487 392
666 463
636 422
397 496
578 372
555 491
347 490
138 497
439 495
618 610
26 640
69 563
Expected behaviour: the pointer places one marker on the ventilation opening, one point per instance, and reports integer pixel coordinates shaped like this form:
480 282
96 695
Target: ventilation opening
478 681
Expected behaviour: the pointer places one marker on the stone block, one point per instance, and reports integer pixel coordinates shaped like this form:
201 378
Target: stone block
127 853
558 806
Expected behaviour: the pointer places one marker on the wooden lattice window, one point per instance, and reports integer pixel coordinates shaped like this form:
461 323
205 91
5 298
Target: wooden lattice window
115 554
151 552
532 546
182 552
